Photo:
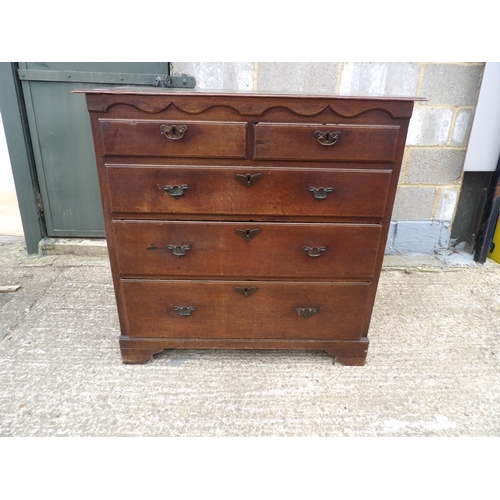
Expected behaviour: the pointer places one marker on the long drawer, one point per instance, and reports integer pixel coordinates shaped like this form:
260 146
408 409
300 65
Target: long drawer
248 190
243 249
325 142
200 309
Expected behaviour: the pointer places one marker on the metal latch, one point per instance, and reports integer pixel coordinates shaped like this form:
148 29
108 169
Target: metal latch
175 82
39 204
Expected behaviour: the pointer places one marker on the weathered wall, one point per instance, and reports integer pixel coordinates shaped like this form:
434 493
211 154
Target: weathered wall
6 178
431 175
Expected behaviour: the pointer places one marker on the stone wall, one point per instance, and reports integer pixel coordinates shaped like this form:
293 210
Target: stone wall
431 176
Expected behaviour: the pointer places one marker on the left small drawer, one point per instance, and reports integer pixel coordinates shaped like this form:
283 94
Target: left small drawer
163 138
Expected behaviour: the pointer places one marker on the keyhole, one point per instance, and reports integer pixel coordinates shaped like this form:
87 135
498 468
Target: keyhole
248 233
249 179
174 130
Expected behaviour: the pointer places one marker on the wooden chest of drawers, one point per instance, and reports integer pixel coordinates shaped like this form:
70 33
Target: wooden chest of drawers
246 221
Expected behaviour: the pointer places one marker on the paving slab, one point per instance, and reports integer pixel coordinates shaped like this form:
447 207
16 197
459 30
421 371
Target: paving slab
432 369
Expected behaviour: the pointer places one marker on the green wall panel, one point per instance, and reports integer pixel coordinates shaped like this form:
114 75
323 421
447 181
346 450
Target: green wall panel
61 138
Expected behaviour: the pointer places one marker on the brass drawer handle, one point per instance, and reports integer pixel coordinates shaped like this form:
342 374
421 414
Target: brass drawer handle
179 250
248 234
320 193
307 312
248 180
173 132
314 251
246 291
175 191
184 311
327 138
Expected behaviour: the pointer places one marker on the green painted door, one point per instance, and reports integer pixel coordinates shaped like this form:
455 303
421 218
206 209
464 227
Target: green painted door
60 133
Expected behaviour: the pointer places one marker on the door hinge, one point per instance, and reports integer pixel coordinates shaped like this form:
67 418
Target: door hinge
39 204
175 82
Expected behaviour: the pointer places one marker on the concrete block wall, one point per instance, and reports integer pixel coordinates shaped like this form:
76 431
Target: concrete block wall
431 177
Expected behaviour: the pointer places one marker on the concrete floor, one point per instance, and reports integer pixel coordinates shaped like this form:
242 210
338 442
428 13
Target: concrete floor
433 365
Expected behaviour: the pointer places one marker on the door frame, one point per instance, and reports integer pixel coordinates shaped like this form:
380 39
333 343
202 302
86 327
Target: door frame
14 112
17 134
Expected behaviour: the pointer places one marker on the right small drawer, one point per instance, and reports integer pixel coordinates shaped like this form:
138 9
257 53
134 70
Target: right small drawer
325 142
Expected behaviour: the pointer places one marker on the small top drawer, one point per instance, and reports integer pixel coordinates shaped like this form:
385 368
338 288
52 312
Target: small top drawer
173 139
325 142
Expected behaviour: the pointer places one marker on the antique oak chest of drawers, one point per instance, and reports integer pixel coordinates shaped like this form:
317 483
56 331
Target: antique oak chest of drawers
245 220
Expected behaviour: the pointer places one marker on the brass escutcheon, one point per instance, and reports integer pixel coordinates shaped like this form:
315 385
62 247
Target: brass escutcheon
248 180
327 138
248 234
246 291
173 132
